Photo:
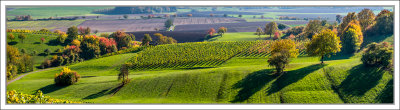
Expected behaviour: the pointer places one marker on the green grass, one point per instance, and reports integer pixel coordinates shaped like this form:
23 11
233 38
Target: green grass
37 25
239 36
33 43
46 12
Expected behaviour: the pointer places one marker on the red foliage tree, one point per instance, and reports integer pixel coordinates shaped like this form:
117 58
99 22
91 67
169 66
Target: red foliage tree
211 31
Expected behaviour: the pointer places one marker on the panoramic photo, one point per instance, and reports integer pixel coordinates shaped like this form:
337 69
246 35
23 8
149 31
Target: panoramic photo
199 54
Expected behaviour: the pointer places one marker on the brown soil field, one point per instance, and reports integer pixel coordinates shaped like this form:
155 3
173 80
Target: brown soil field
204 20
179 36
129 25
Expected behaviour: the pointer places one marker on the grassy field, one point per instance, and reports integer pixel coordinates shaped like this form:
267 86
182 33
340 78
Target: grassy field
239 80
46 12
33 43
37 25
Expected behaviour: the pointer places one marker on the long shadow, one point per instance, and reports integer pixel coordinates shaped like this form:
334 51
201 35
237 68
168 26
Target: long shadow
339 56
51 88
108 91
386 96
12 43
360 80
252 83
292 77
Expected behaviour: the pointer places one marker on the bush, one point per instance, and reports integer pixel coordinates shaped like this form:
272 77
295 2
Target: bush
18 97
67 77
45 64
378 55
279 60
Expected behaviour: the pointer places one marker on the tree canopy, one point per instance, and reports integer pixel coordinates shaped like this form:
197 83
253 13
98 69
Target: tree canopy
323 44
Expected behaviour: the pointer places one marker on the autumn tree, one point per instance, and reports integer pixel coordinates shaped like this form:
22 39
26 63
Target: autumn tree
259 31
122 39
378 55
107 45
211 31
10 36
240 16
281 51
22 37
42 40
351 37
61 38
189 15
271 28
313 27
222 30
169 23
346 20
87 31
72 33
146 40
90 47
366 17
323 44
161 39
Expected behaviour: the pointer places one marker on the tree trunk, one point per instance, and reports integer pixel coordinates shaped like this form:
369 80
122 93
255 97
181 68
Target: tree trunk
322 59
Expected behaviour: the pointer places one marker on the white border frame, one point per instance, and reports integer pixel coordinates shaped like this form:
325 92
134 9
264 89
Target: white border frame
202 106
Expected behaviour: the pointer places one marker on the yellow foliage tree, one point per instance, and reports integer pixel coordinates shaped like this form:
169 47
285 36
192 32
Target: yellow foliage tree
323 44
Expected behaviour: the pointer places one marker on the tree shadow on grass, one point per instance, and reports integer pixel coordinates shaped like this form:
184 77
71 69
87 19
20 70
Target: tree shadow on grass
386 96
108 91
12 43
360 80
36 43
339 56
252 83
51 88
292 77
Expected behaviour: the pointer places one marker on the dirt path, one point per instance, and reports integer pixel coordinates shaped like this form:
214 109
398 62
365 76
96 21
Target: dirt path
19 77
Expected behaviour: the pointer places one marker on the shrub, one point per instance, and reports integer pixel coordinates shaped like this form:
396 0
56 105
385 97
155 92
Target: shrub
378 55
10 36
67 77
279 60
18 97
45 64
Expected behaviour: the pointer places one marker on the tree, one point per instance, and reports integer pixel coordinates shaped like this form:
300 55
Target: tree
87 31
72 33
281 26
366 17
211 15
61 38
189 15
346 20
42 40
146 40
122 39
313 27
10 36
240 15
259 32
280 60
384 23
169 23
276 35
271 28
90 47
338 18
22 36
126 16
222 30
95 31
281 51
351 37
123 74
323 44
378 55
76 43
324 22
211 32
225 15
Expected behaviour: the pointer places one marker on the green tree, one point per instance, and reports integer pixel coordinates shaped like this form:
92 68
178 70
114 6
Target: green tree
338 18
323 44
271 28
378 55
281 26
366 17
22 37
90 47
259 31
72 33
169 23
384 23
123 74
126 16
351 37
146 40
280 60
313 27
61 38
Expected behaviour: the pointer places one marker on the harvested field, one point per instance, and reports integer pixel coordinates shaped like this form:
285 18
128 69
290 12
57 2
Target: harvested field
127 25
52 25
203 20
179 36
232 27
217 13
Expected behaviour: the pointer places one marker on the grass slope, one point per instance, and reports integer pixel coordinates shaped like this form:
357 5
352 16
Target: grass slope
32 43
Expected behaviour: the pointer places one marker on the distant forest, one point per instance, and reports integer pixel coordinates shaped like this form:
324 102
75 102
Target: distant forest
136 10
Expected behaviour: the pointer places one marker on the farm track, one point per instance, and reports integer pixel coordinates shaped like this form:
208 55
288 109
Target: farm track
19 77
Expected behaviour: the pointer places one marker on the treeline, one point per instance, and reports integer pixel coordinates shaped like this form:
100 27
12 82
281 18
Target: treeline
136 10
29 18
